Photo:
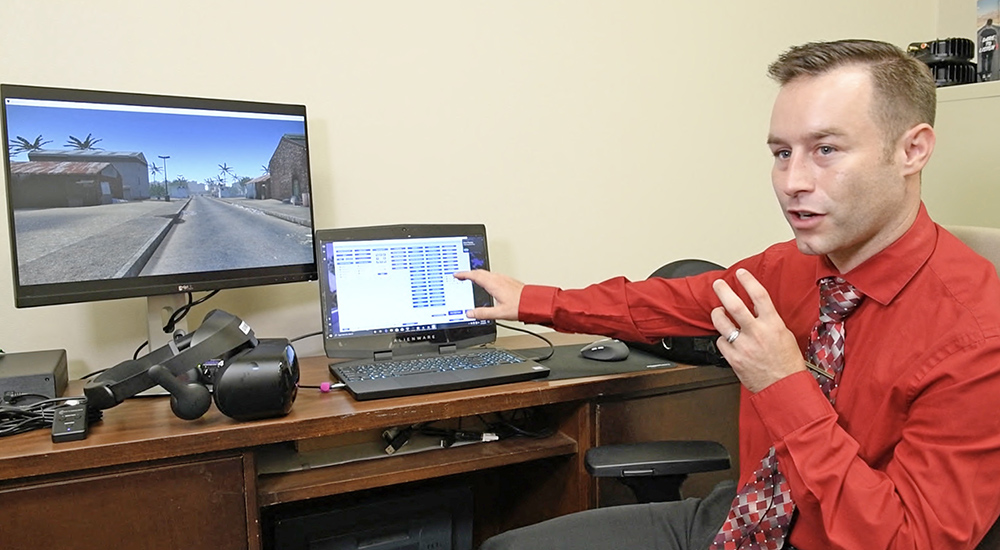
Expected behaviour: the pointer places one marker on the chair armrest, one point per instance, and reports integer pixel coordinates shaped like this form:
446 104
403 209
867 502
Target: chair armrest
656 458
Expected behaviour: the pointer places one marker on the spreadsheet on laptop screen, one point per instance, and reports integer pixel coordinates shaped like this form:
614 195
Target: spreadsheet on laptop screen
401 284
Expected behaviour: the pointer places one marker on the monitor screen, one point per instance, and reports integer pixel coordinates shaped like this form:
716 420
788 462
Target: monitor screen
116 195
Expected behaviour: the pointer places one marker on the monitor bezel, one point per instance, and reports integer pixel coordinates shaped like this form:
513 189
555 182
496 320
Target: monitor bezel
156 285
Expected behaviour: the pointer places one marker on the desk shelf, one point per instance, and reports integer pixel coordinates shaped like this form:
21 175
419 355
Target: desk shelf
367 474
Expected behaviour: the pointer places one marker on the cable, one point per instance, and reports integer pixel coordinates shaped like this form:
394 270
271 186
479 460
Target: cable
519 424
552 347
15 420
304 336
176 317
522 427
181 312
11 398
325 387
135 354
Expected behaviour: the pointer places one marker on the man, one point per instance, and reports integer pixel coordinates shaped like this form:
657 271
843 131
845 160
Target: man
987 36
898 444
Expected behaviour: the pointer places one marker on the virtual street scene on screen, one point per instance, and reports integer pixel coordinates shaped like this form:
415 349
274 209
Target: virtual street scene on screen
399 285
108 193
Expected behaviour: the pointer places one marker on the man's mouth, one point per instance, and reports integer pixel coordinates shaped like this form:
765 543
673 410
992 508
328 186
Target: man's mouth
803 215
804 220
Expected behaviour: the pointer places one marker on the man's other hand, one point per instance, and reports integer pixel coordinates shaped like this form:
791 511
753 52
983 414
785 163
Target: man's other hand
506 294
754 340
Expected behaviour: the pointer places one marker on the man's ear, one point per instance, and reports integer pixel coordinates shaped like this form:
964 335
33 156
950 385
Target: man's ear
915 148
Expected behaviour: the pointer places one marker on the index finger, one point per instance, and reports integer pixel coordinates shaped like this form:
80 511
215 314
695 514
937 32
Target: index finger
758 294
479 277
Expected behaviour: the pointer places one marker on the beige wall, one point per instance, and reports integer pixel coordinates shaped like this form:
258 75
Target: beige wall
962 182
961 185
593 138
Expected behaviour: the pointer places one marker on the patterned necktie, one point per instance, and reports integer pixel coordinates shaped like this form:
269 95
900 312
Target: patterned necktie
826 343
762 511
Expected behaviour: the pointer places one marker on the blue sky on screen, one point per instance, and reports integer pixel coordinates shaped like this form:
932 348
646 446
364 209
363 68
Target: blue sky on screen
196 144
987 8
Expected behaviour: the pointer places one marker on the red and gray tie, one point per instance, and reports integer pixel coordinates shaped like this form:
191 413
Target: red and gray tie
763 508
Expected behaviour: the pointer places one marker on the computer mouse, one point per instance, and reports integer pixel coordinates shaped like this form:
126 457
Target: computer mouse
607 349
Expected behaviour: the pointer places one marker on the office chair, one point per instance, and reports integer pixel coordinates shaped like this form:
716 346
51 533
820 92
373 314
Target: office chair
985 241
655 470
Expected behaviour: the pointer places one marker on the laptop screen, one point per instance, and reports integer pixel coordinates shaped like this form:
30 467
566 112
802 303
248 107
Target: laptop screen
391 289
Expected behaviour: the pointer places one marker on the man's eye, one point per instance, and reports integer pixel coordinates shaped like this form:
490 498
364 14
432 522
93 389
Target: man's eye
783 154
826 150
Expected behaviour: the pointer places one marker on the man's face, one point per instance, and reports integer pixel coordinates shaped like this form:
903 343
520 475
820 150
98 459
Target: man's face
841 193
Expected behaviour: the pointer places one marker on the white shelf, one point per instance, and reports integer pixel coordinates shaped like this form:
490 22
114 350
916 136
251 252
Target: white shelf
965 92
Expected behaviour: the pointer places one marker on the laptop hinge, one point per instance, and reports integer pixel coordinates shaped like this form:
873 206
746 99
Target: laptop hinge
383 355
447 349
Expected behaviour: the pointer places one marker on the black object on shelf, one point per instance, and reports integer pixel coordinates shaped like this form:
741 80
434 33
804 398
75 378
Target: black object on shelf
433 516
951 60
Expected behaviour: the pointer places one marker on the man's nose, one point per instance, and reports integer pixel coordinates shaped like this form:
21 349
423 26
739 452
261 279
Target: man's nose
796 176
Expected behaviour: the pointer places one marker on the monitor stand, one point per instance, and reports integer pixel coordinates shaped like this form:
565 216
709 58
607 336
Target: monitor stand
158 312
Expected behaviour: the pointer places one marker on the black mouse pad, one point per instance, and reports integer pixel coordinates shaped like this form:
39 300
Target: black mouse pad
566 362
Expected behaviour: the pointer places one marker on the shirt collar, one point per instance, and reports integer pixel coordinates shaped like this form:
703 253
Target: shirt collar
882 276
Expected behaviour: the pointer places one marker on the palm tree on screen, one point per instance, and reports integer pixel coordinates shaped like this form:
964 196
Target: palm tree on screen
20 145
155 170
224 170
82 144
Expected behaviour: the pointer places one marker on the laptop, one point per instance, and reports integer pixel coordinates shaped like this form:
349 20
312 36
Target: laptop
391 305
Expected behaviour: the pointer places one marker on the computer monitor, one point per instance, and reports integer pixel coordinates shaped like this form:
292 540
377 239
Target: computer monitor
116 195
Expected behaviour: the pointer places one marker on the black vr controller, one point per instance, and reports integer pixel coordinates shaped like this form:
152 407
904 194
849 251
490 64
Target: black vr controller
251 378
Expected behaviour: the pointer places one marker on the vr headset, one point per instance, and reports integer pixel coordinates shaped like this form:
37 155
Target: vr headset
250 378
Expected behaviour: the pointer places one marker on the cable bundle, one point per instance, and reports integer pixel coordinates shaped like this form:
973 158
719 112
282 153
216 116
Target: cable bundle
16 419
518 423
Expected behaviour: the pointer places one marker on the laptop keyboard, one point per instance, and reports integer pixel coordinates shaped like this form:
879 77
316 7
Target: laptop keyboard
423 365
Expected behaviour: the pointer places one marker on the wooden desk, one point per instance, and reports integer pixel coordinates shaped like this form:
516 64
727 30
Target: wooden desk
146 479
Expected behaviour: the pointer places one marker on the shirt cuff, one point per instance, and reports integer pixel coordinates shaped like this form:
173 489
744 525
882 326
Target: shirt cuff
536 305
789 404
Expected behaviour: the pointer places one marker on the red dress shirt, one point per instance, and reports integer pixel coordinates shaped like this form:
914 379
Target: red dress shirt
909 457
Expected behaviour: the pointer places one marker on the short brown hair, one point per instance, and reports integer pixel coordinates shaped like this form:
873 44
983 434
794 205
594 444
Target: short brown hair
904 91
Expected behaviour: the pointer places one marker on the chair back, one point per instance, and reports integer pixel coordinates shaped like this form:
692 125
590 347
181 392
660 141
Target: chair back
985 241
689 350
685 268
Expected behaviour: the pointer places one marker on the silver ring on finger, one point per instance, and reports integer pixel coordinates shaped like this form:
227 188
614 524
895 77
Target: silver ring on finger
733 335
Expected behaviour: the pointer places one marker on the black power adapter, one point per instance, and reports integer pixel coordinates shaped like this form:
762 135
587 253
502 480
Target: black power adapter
36 373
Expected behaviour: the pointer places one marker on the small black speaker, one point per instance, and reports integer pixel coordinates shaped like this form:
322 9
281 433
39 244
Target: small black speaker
260 383
950 60
946 50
